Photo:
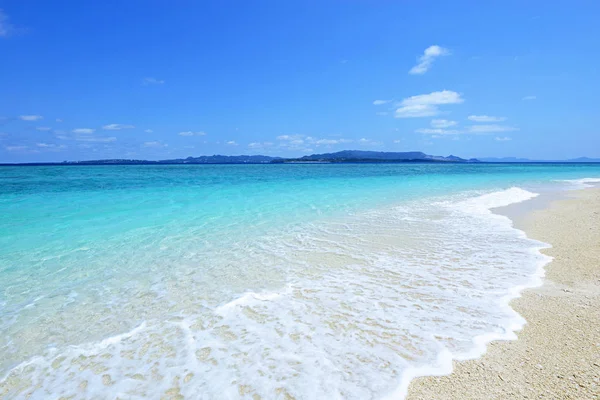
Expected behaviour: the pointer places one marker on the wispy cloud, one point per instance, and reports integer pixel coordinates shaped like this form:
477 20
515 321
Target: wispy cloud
96 139
290 137
490 128
434 98
15 148
43 128
526 98
469 130
426 105
117 127
148 131
152 81
332 141
231 143
426 60
51 146
260 145
83 131
59 120
155 144
30 117
5 27
443 123
380 102
190 133
438 131
297 142
503 139
485 118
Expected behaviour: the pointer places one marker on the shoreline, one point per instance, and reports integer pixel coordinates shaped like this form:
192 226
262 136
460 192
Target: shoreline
557 354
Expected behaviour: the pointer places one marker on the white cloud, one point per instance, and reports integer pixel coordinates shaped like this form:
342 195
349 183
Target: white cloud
83 130
43 128
380 102
327 141
51 146
5 27
155 144
529 98
59 120
426 105
426 60
490 128
30 117
117 127
231 143
368 142
190 133
434 98
152 81
148 131
473 129
438 131
290 137
442 123
258 145
96 139
485 118
416 111
15 148
503 139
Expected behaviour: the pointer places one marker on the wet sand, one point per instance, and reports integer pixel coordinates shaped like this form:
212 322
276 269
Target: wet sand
557 355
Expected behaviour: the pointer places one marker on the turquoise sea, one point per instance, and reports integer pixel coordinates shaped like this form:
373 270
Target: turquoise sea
317 281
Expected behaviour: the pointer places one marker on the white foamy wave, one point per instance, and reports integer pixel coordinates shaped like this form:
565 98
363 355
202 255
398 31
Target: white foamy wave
497 199
583 183
370 302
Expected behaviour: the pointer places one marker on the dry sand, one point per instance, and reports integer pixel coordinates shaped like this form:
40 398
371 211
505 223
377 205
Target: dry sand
557 355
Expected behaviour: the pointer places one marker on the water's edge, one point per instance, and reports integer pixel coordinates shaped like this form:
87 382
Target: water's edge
515 213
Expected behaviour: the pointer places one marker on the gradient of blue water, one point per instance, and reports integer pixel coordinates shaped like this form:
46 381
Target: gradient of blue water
73 238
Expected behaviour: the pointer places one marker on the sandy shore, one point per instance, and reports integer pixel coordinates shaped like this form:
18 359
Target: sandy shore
557 355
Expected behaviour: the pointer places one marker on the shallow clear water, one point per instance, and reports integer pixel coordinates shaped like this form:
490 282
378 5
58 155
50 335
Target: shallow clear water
234 281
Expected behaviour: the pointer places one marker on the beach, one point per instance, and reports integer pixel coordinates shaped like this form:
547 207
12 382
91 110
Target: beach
557 354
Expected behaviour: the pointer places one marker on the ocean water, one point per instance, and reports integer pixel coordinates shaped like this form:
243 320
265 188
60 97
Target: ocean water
258 281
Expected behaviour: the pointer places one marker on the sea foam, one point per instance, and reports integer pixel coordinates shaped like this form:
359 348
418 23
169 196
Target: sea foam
582 183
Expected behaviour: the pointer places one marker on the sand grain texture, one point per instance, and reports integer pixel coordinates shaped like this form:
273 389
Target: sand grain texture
557 355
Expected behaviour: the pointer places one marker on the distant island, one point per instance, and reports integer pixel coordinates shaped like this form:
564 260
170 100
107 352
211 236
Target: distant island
354 156
345 156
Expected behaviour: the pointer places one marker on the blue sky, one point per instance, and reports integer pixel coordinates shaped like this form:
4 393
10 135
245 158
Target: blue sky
157 79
